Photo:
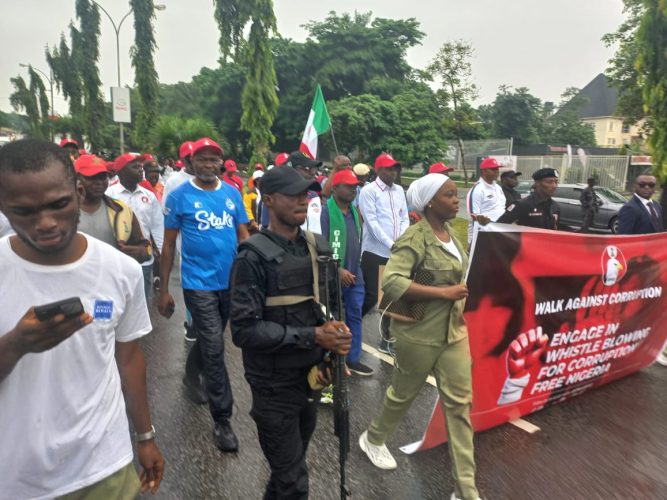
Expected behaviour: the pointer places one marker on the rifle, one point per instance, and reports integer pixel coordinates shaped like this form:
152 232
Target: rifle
341 397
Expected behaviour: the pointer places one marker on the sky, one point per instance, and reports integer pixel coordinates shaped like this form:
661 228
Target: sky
544 45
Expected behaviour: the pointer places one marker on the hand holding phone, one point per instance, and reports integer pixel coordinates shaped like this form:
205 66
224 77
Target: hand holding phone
68 307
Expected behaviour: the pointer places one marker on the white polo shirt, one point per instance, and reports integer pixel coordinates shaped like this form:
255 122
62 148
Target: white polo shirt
485 199
146 207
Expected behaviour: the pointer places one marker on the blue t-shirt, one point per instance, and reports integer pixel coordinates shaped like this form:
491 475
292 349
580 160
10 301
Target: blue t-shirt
207 221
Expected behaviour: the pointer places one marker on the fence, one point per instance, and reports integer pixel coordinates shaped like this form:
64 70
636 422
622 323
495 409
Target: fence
610 171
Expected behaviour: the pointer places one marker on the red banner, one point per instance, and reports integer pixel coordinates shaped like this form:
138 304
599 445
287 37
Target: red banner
552 315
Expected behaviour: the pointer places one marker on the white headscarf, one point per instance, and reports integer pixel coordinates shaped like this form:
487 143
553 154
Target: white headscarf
421 192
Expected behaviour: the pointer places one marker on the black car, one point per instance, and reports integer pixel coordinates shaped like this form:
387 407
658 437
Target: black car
567 196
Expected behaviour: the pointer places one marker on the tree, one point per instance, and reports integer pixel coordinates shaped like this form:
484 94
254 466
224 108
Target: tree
67 79
86 45
34 101
452 67
517 114
622 70
259 100
651 64
170 131
145 74
565 127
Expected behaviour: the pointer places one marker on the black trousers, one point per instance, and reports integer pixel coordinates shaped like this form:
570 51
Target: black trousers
588 220
370 266
210 312
285 418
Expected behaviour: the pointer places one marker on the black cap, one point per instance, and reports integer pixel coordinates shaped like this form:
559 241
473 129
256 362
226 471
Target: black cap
510 173
544 173
285 180
301 159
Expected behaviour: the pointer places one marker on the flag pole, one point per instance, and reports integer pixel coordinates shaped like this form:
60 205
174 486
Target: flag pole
333 137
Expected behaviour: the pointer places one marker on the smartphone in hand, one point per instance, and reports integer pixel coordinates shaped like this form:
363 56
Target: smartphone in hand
68 307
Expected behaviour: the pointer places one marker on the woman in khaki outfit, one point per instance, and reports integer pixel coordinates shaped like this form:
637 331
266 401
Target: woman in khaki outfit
438 343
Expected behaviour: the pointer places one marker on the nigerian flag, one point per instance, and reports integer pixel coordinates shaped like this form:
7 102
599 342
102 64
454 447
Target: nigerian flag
318 123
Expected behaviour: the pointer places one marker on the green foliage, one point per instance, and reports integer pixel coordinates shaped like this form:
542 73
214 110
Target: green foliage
170 131
145 74
566 127
33 100
259 100
651 64
451 66
622 71
85 45
516 113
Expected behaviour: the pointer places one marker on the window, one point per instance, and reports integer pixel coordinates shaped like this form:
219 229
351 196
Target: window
611 126
626 128
567 193
611 142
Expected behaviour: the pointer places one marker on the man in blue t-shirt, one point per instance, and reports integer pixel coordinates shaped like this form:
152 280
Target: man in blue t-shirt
211 219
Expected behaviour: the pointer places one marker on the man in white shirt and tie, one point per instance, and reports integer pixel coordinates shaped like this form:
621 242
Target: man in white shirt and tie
385 212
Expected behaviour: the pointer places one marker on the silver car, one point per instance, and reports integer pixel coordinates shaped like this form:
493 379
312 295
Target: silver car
567 196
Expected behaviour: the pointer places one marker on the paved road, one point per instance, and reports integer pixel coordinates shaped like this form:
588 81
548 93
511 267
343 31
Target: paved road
610 443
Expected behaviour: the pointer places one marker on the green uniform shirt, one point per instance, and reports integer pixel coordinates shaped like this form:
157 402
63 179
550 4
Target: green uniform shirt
443 321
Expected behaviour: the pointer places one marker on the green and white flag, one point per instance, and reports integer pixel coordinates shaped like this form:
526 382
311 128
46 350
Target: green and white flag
318 123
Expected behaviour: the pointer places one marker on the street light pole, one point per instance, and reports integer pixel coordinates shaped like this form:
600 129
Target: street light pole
116 28
50 80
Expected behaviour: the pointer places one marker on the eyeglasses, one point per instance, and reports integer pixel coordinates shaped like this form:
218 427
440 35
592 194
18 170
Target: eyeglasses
646 184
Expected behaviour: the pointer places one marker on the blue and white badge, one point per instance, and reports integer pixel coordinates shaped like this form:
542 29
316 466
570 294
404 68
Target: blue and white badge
103 310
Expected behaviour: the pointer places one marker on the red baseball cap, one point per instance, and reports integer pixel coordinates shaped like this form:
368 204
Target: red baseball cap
179 164
66 140
90 165
206 142
124 160
281 159
385 160
489 163
438 168
259 166
185 150
230 166
345 177
146 157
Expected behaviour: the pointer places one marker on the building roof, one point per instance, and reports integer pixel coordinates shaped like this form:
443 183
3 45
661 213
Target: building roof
599 99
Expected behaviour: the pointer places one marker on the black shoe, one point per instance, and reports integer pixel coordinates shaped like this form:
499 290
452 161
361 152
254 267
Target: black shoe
190 334
224 436
196 391
360 369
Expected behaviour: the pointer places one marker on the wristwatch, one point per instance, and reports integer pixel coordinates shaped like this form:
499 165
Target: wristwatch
146 436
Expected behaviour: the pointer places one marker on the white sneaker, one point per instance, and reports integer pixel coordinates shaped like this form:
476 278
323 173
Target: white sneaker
662 358
378 455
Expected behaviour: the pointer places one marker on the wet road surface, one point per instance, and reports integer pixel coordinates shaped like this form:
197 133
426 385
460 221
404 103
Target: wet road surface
609 443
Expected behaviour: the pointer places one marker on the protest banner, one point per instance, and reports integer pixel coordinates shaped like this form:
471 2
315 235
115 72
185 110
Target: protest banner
551 315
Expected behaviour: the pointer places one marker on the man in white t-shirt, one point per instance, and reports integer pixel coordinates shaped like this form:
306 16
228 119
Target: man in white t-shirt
183 175
67 383
307 167
486 199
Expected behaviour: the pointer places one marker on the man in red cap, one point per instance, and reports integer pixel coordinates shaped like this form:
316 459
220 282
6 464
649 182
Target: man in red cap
108 220
281 159
259 166
210 217
384 209
229 175
143 203
182 175
71 146
439 168
486 200
341 225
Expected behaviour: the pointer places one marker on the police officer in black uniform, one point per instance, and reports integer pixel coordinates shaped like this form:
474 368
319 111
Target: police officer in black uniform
508 181
537 209
279 325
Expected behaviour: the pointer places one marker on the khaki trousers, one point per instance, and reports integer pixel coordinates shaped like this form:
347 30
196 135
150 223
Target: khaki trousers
121 485
451 366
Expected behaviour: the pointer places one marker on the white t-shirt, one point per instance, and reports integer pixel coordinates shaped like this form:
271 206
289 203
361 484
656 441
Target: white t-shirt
62 412
5 227
314 214
450 246
485 199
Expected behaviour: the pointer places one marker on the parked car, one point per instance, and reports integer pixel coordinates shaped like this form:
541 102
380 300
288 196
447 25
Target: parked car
567 196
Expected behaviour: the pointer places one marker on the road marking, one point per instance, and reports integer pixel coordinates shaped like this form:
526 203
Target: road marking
524 425
520 423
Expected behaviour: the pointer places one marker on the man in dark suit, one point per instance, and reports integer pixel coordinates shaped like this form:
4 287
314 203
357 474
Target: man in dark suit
641 215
